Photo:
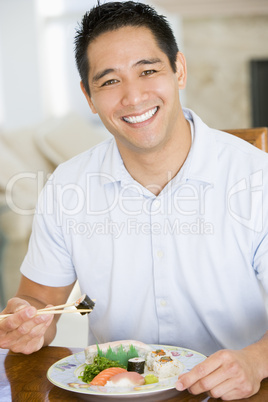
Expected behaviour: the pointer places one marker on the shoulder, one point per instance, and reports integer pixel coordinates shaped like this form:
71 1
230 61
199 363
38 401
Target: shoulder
234 143
236 153
228 146
88 161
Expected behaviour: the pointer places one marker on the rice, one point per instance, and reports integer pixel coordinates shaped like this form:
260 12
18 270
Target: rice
171 368
163 364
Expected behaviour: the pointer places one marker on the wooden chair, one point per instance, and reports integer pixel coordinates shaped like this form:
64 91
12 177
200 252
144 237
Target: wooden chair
256 136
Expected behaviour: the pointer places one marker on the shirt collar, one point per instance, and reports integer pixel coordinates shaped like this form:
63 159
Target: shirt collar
200 164
112 165
113 169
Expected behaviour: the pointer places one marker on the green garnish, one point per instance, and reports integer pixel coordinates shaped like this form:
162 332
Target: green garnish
150 379
120 355
99 364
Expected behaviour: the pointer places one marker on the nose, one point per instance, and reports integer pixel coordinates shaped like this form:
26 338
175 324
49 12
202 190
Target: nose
133 94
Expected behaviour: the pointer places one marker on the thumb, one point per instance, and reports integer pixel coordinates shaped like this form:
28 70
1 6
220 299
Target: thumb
15 304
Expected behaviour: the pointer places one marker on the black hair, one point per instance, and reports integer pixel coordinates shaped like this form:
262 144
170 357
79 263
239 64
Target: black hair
114 15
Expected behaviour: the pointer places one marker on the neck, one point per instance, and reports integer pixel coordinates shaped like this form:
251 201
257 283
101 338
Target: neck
154 169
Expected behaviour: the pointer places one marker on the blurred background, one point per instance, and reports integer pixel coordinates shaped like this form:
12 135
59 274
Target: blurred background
44 118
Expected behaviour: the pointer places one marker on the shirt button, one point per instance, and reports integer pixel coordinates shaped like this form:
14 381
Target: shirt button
163 303
156 203
159 253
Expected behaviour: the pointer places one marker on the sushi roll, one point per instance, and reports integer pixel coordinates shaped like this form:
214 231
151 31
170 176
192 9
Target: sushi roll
154 356
84 302
136 364
167 367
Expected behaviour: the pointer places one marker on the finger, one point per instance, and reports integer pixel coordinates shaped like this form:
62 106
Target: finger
27 346
201 370
231 390
33 326
27 335
15 304
15 320
30 327
215 387
21 307
237 394
209 382
42 323
9 326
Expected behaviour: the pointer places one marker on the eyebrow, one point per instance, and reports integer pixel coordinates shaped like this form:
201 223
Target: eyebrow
101 74
107 71
147 61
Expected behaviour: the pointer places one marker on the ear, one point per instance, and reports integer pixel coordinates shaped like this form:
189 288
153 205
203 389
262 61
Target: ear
181 70
88 98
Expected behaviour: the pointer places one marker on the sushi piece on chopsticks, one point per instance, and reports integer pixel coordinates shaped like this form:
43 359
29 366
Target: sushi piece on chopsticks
84 302
84 305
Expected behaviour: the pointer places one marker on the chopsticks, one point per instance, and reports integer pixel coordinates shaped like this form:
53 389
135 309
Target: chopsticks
42 312
58 309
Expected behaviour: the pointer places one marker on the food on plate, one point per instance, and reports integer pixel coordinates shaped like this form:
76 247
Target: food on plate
84 302
154 355
162 363
120 354
150 379
136 364
92 351
105 375
126 379
99 364
144 366
165 368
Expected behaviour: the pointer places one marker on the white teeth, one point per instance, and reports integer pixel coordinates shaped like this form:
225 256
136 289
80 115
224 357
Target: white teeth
141 118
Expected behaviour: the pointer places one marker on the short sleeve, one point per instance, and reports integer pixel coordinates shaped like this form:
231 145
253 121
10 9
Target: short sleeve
48 260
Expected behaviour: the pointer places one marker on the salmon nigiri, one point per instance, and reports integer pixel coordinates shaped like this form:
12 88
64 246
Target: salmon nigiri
105 375
127 379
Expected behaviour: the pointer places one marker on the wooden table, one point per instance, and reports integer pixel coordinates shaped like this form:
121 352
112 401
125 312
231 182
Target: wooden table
23 378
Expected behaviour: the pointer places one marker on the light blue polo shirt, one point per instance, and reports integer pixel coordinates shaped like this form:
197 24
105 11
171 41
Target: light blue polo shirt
187 267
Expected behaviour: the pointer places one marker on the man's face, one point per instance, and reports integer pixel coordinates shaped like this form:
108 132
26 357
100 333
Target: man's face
133 88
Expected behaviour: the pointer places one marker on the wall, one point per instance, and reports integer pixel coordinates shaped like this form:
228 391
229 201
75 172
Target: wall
201 8
21 102
35 86
38 76
218 51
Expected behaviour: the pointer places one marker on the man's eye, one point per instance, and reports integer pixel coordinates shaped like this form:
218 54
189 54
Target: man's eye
148 72
109 82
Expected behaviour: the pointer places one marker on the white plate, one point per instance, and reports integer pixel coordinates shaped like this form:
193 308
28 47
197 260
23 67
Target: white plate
65 372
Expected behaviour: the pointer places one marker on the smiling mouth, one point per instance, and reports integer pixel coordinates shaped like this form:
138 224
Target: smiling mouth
142 117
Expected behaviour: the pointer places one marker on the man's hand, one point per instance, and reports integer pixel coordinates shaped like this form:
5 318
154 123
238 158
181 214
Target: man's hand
23 331
226 374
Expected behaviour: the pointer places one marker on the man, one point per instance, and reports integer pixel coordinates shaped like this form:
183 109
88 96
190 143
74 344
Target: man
163 224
